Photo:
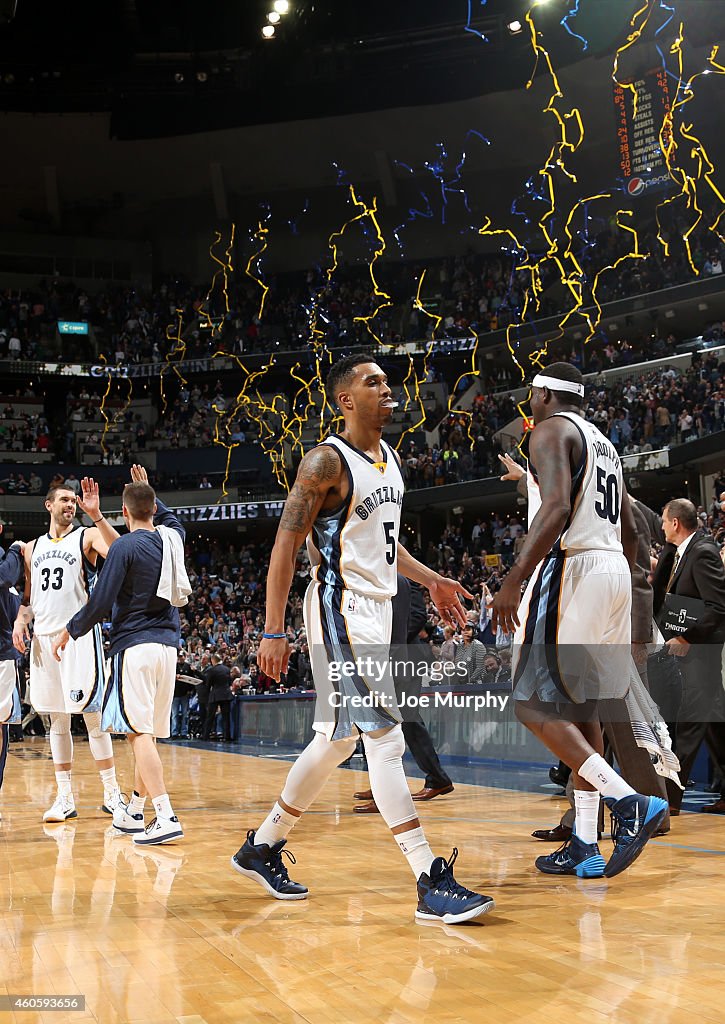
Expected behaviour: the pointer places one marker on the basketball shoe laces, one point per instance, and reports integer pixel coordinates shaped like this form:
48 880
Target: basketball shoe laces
447 885
277 865
622 831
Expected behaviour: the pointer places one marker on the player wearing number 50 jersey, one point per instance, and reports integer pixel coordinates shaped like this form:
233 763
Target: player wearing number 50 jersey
60 570
346 504
572 629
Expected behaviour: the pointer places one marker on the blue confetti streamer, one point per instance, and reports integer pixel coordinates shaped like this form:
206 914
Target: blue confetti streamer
572 13
469 27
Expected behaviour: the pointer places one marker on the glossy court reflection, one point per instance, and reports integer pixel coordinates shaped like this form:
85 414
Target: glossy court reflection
171 934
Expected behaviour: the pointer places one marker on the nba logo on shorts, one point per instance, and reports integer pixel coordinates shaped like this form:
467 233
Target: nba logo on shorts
76 696
351 603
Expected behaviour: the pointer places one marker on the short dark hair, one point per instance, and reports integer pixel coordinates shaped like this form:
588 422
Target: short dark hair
565 371
52 491
139 498
341 372
683 510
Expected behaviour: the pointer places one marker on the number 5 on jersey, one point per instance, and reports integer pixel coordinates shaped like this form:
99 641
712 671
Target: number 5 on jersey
389 542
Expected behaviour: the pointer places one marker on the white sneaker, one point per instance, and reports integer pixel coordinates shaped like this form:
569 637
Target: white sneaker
112 797
125 822
63 808
160 830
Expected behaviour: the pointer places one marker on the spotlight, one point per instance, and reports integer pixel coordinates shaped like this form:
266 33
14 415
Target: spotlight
281 6
268 31
515 27
273 17
178 78
201 76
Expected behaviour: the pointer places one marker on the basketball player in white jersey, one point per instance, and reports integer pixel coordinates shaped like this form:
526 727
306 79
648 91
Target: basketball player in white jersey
60 570
572 629
346 503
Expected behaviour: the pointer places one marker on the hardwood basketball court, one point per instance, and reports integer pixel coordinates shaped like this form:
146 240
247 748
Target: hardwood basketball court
172 934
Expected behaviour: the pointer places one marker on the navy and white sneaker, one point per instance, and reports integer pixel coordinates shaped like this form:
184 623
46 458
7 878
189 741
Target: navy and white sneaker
126 822
159 830
635 819
441 898
573 858
264 865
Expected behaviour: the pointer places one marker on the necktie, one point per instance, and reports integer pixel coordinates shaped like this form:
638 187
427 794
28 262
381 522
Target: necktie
674 570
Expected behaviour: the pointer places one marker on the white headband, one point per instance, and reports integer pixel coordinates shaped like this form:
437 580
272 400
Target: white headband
541 381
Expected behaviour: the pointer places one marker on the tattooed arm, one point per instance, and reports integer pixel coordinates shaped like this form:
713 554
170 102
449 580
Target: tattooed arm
318 483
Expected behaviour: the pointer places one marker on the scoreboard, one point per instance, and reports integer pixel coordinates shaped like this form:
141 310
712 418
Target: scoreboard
641 161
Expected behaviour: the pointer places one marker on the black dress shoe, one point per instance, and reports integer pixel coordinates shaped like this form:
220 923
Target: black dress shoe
558 834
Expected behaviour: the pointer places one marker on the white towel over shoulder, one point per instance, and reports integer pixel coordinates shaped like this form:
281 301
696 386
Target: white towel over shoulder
174 584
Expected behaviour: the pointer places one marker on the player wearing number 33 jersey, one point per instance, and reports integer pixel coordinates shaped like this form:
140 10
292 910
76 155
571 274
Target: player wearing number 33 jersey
61 580
573 640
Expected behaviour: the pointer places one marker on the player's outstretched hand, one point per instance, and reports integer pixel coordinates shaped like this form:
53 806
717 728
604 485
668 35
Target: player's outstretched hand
273 656
59 643
89 501
20 545
513 470
445 595
139 474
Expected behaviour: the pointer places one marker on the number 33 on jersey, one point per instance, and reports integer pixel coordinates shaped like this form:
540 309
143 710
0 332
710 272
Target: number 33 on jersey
61 580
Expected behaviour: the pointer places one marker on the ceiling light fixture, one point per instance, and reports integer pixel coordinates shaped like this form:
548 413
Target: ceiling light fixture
515 27
268 31
273 17
281 6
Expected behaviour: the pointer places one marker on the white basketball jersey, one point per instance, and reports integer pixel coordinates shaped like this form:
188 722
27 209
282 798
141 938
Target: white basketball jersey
594 522
61 579
356 546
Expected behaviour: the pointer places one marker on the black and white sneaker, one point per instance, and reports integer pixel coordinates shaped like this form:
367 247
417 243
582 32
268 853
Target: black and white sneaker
264 865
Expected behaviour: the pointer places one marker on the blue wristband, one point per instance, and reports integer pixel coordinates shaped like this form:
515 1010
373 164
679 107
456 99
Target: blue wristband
274 636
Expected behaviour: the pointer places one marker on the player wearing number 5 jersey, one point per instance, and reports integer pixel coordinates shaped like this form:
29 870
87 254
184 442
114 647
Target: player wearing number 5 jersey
346 503
60 570
572 628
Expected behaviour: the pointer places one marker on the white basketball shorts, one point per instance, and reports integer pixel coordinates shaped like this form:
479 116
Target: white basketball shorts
140 690
349 643
72 685
9 693
573 641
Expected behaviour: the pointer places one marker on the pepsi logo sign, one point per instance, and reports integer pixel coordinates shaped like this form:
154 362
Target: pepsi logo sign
635 186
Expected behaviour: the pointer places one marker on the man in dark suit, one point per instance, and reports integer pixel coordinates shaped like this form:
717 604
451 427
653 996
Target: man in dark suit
690 566
409 618
219 679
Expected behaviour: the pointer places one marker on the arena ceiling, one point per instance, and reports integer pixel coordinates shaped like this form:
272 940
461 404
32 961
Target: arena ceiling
107 116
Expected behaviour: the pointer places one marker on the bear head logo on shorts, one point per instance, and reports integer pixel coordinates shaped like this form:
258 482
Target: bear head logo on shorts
76 696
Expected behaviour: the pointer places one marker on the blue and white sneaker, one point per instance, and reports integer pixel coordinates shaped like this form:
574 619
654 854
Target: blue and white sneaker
573 858
441 898
264 865
635 819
